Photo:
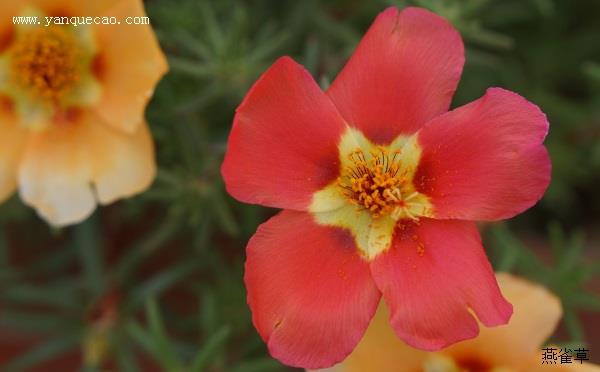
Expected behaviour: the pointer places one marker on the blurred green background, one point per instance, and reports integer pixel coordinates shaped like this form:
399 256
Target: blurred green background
155 282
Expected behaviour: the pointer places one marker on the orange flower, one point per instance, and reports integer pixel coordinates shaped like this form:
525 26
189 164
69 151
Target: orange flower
516 347
72 99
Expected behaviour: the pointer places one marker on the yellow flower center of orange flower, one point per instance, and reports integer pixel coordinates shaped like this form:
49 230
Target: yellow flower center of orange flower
377 185
45 63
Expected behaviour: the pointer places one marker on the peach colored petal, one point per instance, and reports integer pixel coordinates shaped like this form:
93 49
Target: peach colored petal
55 174
8 9
535 365
66 168
12 141
585 367
516 346
124 164
381 350
129 66
536 313
76 8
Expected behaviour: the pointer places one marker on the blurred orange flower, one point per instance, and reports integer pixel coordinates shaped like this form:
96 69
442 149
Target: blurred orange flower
516 347
72 100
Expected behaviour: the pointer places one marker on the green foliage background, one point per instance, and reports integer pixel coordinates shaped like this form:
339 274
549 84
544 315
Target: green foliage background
169 263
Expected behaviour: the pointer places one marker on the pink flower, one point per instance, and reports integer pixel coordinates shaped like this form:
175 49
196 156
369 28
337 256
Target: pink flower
380 184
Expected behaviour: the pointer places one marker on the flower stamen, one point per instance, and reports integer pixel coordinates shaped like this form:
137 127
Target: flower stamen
377 185
45 63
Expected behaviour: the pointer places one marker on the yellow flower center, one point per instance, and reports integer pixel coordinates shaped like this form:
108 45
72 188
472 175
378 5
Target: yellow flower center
375 193
46 63
378 185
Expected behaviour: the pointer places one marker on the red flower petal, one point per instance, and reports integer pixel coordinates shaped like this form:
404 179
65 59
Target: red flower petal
434 273
485 160
283 145
402 74
311 295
